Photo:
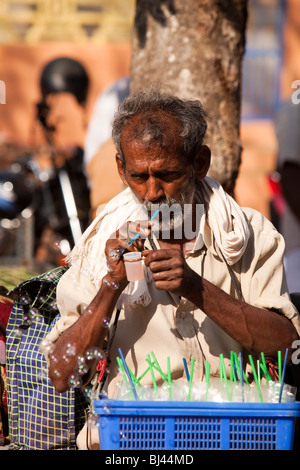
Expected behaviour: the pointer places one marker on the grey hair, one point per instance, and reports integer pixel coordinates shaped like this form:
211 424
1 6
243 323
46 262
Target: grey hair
189 114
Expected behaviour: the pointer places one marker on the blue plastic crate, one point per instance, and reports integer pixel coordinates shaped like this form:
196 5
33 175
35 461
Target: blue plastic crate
167 425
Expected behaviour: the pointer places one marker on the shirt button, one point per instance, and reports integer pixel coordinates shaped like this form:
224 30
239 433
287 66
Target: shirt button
182 314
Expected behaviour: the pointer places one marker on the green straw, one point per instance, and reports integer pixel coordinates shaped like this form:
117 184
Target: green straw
152 373
241 375
221 373
239 369
207 375
255 378
258 371
158 368
283 373
143 374
232 367
222 367
191 378
121 367
169 378
264 367
279 366
128 374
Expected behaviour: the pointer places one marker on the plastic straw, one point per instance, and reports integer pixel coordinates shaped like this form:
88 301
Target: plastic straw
207 375
128 374
223 368
191 378
279 366
233 372
264 367
143 374
120 364
169 378
231 366
186 369
152 373
283 373
255 378
258 371
157 367
241 371
241 375
137 235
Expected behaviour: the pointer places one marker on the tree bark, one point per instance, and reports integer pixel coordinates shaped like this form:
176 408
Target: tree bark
195 48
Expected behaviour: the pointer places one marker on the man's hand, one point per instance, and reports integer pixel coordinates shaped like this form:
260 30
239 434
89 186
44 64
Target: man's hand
170 271
119 243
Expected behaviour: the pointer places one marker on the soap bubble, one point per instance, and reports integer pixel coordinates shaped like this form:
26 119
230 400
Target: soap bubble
46 346
88 311
92 420
52 305
80 360
93 353
27 320
53 357
25 299
33 312
74 381
106 323
66 358
18 332
43 373
87 391
71 349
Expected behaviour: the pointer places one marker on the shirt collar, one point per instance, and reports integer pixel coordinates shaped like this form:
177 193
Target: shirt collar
201 235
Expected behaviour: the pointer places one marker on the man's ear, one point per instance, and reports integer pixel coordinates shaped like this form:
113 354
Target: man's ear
121 169
202 162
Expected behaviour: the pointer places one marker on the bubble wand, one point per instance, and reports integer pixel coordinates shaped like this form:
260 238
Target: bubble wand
137 235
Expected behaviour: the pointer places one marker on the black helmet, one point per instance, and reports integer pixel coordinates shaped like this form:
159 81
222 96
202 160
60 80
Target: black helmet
65 75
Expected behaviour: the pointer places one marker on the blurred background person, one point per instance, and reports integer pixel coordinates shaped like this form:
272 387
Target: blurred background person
99 150
49 181
288 135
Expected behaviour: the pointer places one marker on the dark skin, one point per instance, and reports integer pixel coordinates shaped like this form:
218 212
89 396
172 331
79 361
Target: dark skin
153 173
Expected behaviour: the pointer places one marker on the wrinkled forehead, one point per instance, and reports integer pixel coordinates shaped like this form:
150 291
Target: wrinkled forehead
153 128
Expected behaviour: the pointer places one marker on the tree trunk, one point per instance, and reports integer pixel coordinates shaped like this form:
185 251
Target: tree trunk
196 47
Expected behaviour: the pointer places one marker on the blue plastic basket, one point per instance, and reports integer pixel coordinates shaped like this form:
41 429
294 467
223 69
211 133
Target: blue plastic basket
161 425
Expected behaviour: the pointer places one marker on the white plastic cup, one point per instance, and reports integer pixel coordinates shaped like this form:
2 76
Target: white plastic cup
134 266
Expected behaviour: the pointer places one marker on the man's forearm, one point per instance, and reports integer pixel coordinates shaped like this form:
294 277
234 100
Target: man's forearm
258 330
87 332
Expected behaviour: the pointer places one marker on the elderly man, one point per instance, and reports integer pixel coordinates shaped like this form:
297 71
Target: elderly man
220 287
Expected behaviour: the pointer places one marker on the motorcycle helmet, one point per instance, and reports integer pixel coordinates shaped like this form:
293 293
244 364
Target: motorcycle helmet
65 75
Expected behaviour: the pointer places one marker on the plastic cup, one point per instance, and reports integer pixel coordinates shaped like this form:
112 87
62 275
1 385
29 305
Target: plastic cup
134 266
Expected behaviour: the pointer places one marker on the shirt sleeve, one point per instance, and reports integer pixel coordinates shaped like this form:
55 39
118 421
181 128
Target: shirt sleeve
71 299
262 273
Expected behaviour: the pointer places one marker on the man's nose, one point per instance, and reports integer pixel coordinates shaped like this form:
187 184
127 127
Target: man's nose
154 189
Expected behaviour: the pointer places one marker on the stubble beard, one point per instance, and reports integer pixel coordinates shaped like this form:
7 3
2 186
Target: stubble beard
173 212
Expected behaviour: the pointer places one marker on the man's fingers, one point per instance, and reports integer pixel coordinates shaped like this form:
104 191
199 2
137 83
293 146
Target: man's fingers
157 266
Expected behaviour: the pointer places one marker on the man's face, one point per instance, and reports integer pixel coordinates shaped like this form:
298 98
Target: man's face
67 116
157 174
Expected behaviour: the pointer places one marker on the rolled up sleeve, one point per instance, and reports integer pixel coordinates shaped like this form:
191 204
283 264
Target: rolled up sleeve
262 272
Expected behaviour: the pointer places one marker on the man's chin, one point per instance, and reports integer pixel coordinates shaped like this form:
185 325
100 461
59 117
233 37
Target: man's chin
166 231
